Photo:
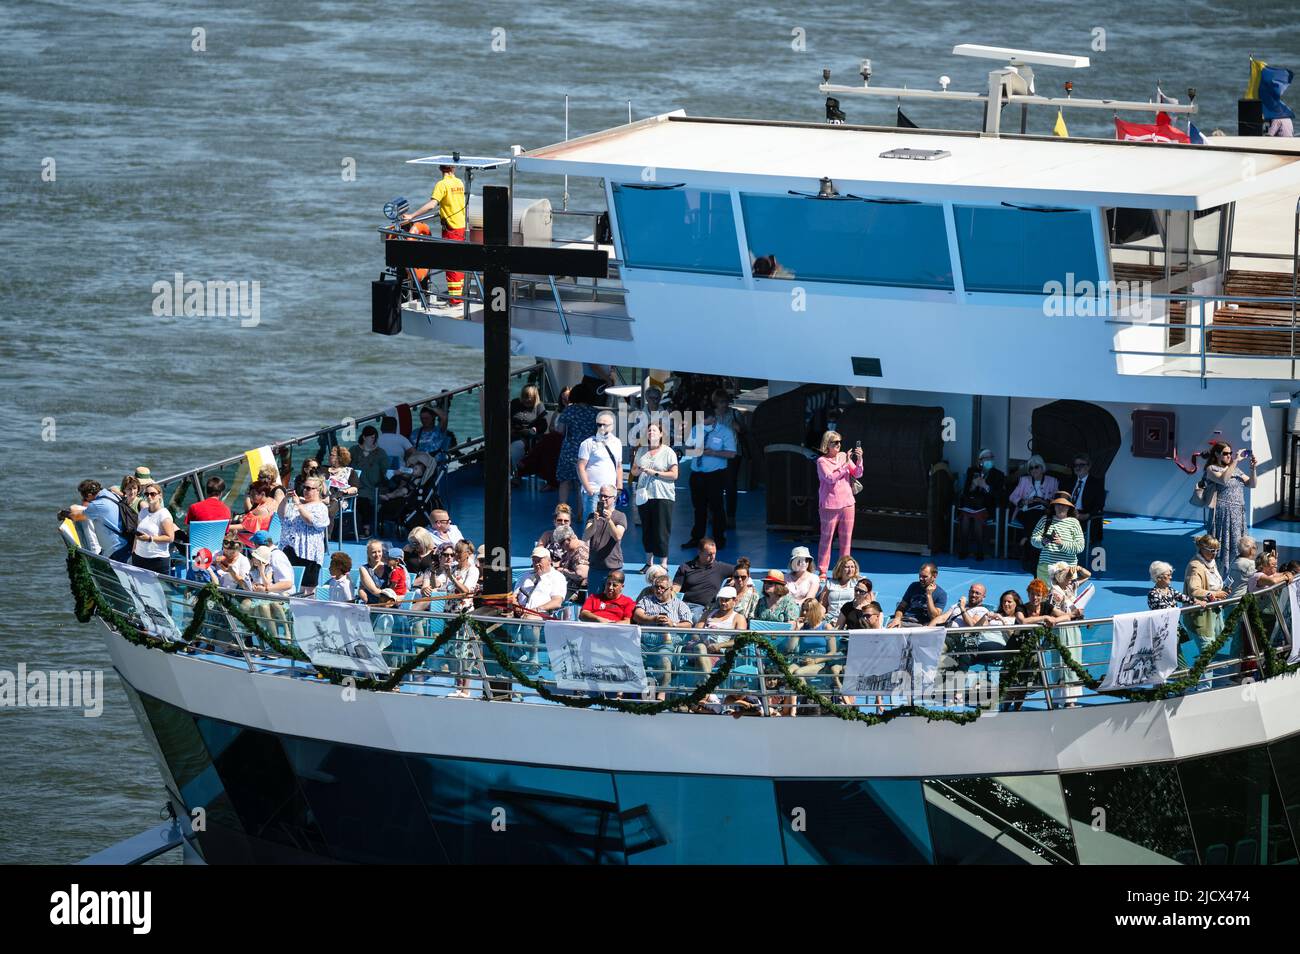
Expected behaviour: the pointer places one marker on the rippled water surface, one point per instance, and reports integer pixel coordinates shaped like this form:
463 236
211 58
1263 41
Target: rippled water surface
226 164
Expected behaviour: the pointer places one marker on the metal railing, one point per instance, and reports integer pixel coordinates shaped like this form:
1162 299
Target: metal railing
675 663
1203 325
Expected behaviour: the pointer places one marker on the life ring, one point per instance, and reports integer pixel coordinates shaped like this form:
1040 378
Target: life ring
419 228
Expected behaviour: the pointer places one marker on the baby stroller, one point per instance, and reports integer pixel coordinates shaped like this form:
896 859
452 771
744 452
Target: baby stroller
421 498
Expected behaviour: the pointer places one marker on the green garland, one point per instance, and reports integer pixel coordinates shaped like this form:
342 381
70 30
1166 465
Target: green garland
88 602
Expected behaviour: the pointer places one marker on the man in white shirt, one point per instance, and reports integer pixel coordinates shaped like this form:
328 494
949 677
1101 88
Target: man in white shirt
539 593
390 442
444 531
542 590
600 461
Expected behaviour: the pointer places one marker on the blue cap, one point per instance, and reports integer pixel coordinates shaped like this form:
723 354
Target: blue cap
261 538
396 554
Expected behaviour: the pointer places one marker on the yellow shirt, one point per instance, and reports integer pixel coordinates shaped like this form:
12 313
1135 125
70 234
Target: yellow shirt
449 193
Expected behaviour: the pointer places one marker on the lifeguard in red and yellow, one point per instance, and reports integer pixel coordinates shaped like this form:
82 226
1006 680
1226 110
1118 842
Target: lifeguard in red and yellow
449 197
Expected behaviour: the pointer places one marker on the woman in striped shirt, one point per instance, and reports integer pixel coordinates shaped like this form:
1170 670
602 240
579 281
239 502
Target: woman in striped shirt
1059 536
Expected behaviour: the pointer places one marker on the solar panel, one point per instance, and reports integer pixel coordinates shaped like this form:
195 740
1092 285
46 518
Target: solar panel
464 162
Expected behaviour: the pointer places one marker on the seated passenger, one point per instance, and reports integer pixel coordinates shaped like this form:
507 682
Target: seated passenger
574 558
776 604
609 606
211 507
231 570
563 517
541 591
712 638
444 531
923 601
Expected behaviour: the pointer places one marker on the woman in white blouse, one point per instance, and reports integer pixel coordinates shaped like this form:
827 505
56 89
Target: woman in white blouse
304 522
655 469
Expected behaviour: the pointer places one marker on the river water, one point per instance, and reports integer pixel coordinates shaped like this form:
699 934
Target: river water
218 141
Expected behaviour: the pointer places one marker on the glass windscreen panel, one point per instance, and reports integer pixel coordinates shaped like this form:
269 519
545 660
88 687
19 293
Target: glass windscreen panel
677 228
1021 249
861 241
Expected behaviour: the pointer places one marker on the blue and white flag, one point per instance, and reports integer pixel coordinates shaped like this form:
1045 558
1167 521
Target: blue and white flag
1194 135
1143 649
596 657
887 662
1273 83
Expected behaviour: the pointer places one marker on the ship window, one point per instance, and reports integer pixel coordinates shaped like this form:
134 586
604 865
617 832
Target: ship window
861 241
664 821
677 228
1022 248
868 822
1129 816
1237 812
1018 819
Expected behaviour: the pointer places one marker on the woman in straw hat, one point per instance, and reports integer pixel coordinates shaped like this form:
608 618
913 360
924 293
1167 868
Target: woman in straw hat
1058 536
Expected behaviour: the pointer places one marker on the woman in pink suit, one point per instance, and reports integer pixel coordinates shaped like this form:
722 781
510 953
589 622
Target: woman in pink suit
835 473
1029 499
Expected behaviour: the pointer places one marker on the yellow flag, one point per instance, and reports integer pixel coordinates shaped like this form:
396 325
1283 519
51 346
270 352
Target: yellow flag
1059 129
1256 71
70 531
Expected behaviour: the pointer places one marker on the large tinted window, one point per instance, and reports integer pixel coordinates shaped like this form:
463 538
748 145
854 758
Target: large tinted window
365 803
1286 768
262 786
1237 812
1019 819
878 822
490 813
847 240
1007 249
1130 815
682 229
698 820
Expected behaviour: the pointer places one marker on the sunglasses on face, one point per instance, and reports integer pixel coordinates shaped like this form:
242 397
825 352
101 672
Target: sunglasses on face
741 579
607 497
861 592
152 493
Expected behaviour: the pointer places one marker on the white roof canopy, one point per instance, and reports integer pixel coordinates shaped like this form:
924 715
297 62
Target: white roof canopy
716 152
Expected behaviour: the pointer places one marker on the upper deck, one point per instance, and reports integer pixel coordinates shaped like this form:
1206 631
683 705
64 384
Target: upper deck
1168 268
1046 170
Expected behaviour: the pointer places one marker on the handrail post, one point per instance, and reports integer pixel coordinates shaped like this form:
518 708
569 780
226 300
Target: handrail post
564 321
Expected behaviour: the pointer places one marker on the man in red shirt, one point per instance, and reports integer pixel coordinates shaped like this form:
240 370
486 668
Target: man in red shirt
211 507
610 606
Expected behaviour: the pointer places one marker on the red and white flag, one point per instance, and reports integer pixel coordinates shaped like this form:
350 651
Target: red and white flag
1163 131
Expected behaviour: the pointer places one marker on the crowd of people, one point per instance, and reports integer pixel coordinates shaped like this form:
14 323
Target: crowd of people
577 564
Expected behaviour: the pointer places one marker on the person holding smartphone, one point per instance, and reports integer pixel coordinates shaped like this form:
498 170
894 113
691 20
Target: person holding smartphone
836 472
1227 474
154 532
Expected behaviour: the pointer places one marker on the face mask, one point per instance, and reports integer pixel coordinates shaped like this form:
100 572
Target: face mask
708 428
986 465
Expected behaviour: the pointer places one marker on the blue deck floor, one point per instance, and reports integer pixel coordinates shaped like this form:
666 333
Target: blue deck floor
1130 543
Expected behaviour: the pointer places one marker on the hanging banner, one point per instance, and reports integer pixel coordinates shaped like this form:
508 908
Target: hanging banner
1293 590
152 613
1143 649
888 662
337 635
596 657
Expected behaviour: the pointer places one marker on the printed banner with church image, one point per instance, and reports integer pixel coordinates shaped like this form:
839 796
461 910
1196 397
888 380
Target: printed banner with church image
1143 649
884 662
152 613
596 657
337 635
